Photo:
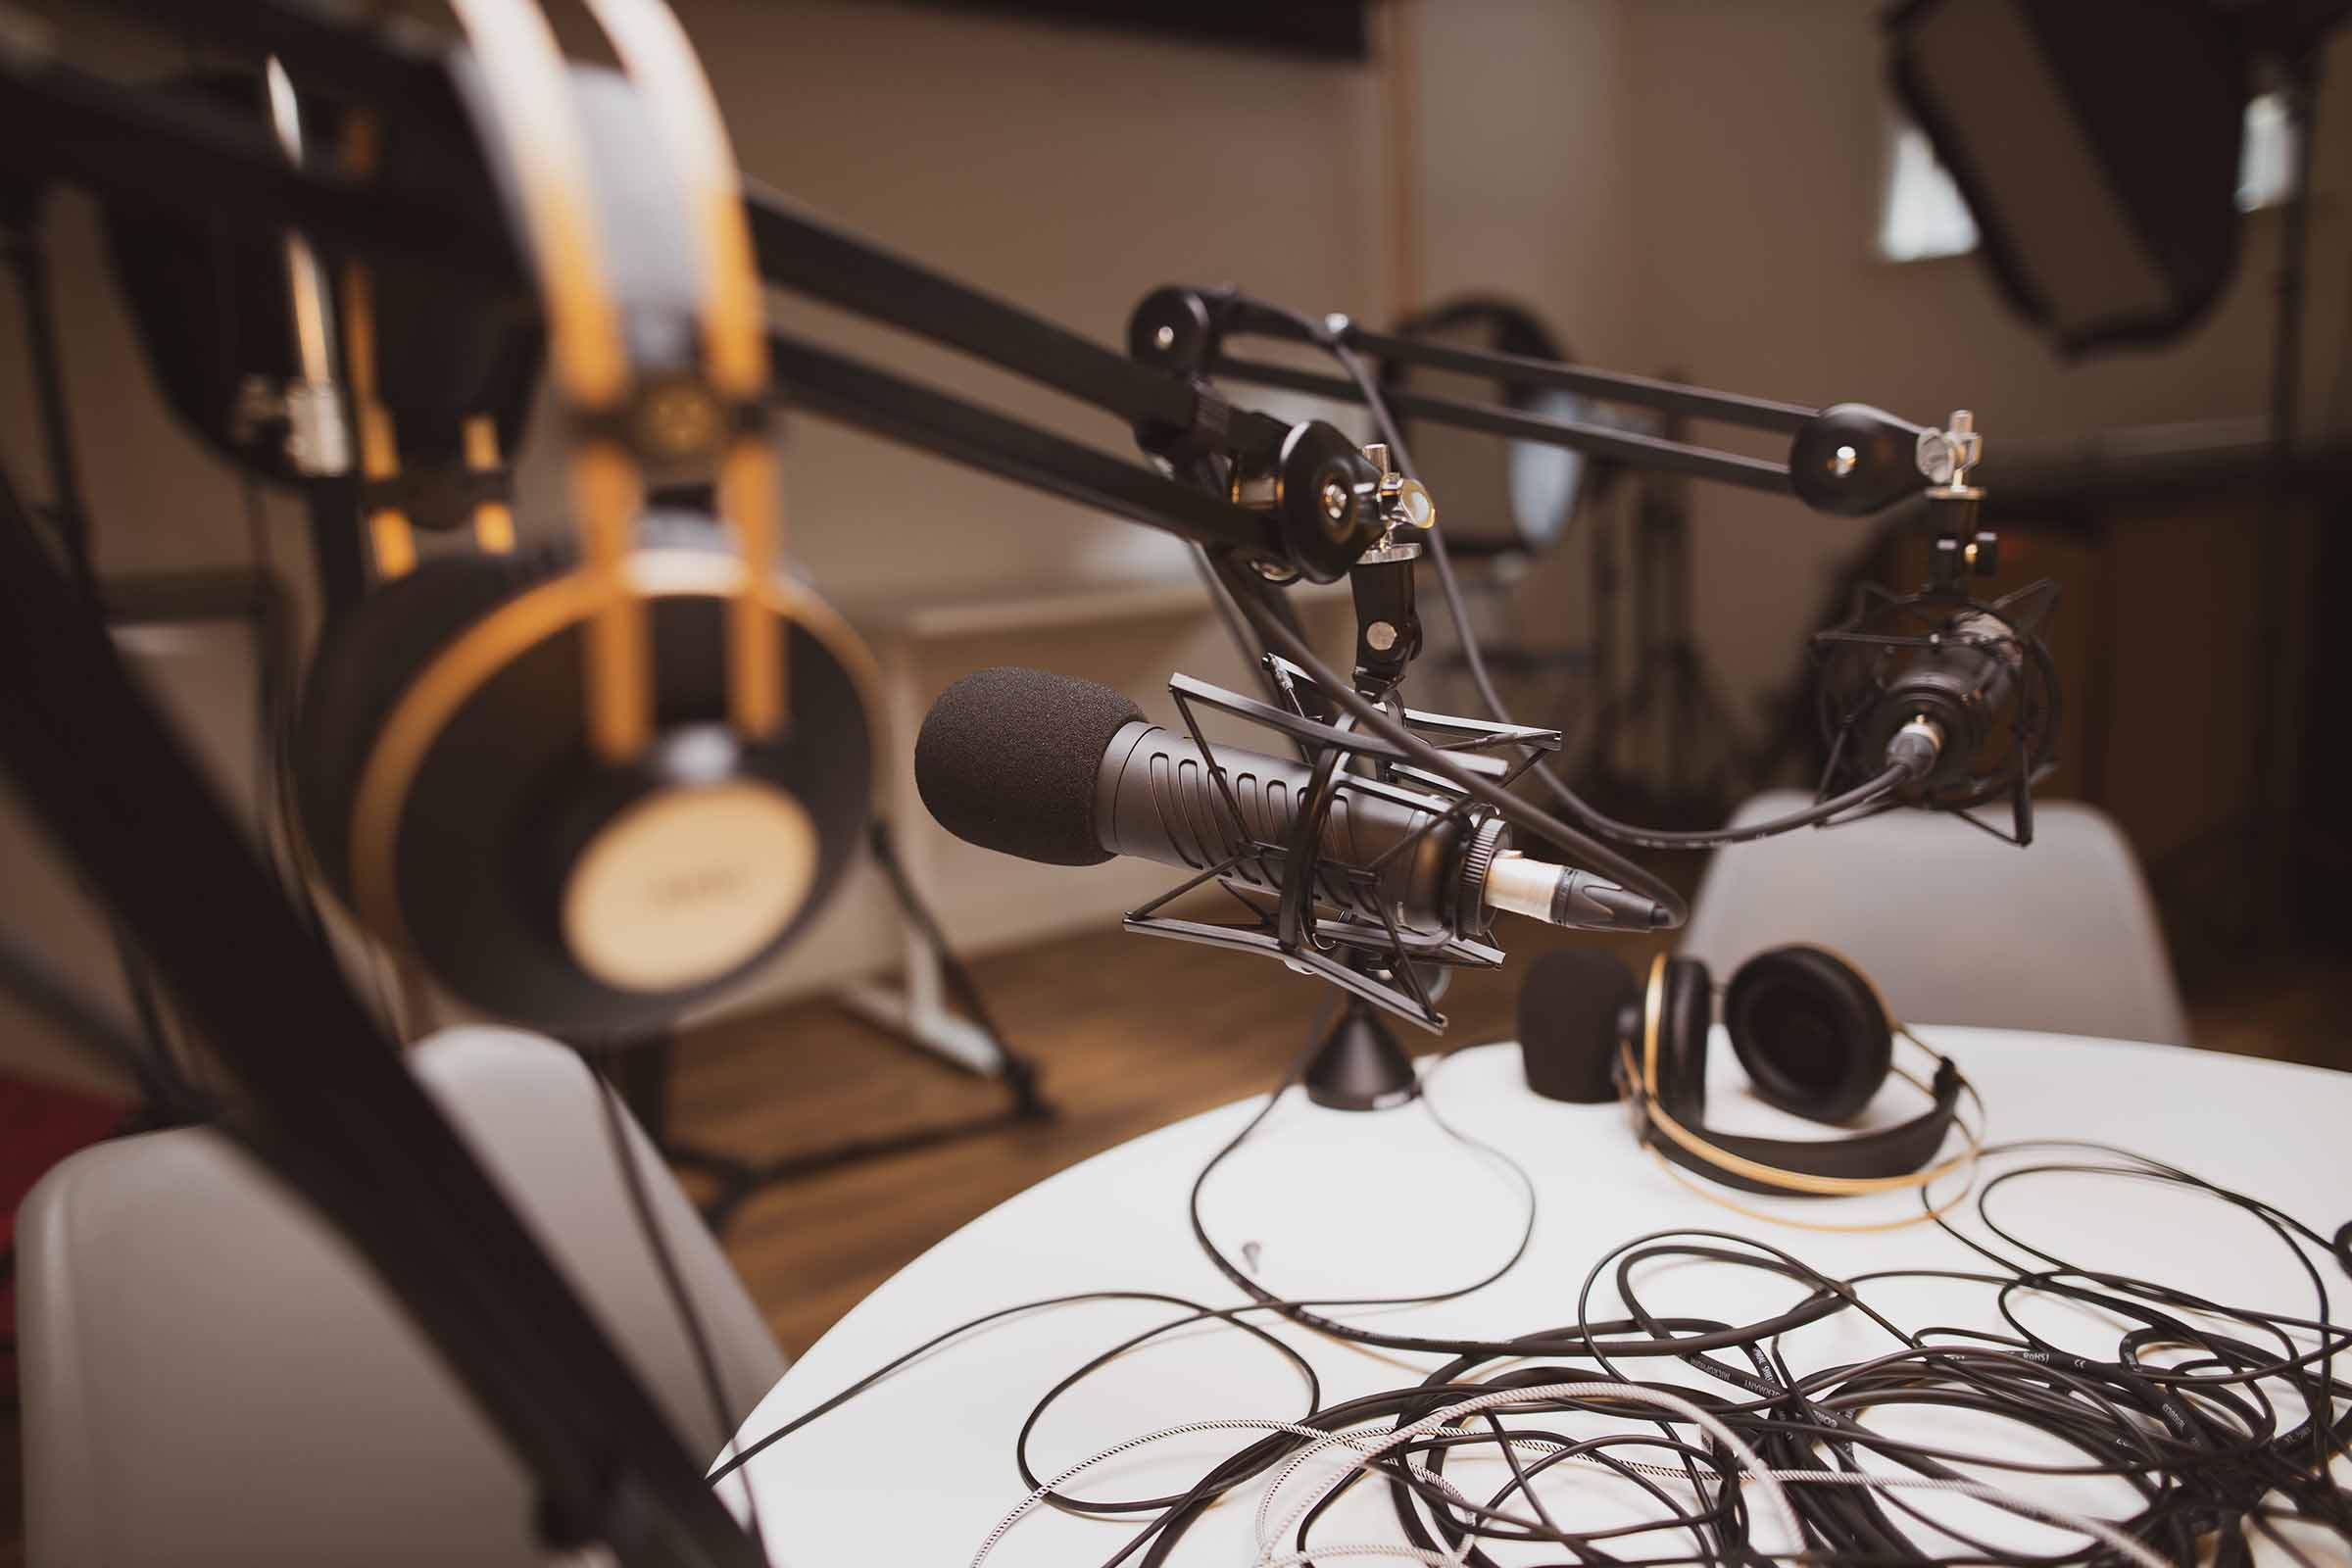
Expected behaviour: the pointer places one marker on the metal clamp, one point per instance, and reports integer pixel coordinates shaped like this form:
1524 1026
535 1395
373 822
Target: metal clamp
1401 503
1945 456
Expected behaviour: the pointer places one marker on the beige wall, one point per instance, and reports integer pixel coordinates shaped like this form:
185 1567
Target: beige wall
1070 170
1673 183
1692 187
1525 169
1757 140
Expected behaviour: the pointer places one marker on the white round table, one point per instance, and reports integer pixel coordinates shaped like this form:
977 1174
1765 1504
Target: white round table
1335 1205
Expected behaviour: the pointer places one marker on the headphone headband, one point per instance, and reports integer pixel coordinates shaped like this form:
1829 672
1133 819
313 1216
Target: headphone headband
447 720
661 64
716 409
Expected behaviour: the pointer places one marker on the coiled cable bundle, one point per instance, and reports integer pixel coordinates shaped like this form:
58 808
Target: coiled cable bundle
2225 1423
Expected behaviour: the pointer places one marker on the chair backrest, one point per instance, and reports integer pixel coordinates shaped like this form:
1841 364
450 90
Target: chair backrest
1953 925
211 1376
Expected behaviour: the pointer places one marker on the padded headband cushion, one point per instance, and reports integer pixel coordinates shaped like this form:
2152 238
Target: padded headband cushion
1896 1151
1812 1036
1568 1025
1685 1013
1810 1032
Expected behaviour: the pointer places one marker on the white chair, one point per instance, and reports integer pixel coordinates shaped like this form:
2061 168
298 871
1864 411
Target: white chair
211 1376
1953 925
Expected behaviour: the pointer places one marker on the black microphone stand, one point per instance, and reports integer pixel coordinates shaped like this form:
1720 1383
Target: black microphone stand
320 1094
1358 1063
1848 460
738 1178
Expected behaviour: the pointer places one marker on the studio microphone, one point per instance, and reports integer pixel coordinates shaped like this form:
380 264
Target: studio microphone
1069 772
1958 695
1941 709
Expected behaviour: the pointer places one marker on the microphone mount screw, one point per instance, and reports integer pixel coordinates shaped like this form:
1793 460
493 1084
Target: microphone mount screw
1403 504
1945 456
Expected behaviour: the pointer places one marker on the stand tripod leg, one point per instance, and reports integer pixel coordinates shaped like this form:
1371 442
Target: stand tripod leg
917 1015
973 1042
913 1011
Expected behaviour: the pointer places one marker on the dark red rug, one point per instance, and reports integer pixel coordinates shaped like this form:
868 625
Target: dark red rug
40 1124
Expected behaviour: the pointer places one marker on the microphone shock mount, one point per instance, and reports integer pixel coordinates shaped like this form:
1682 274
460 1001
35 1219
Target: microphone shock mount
1322 916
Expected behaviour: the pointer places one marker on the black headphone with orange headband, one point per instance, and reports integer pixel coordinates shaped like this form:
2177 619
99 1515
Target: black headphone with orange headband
1812 1032
588 787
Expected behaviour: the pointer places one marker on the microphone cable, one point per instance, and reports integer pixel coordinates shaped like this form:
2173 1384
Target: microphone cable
674 1284
1671 1336
1521 812
2203 1440
1591 816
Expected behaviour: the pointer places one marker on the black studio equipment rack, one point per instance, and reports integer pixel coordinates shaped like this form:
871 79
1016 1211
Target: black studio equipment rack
314 1088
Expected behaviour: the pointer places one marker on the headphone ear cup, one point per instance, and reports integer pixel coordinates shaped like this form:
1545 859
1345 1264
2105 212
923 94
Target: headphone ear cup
366 659
369 657
1568 1021
1685 1016
540 885
1810 1032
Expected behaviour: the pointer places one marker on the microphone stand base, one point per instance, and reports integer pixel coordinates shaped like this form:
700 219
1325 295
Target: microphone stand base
1360 1065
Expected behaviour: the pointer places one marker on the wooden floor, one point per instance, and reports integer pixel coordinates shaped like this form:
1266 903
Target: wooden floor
1131 1034
1134 1033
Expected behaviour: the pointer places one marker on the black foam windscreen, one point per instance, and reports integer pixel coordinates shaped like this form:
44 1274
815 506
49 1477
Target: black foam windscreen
1568 1012
1008 759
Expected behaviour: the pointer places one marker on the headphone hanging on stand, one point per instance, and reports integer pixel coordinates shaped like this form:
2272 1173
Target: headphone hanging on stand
1811 1031
590 786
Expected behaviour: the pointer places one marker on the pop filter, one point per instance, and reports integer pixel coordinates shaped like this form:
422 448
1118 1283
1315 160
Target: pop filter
2097 145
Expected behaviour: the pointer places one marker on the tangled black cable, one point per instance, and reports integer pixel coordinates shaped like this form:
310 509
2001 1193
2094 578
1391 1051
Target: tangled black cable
2222 1419
1331 339
2200 1439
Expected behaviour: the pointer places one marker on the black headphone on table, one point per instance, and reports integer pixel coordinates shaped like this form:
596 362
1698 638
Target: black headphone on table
590 786
1813 1034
